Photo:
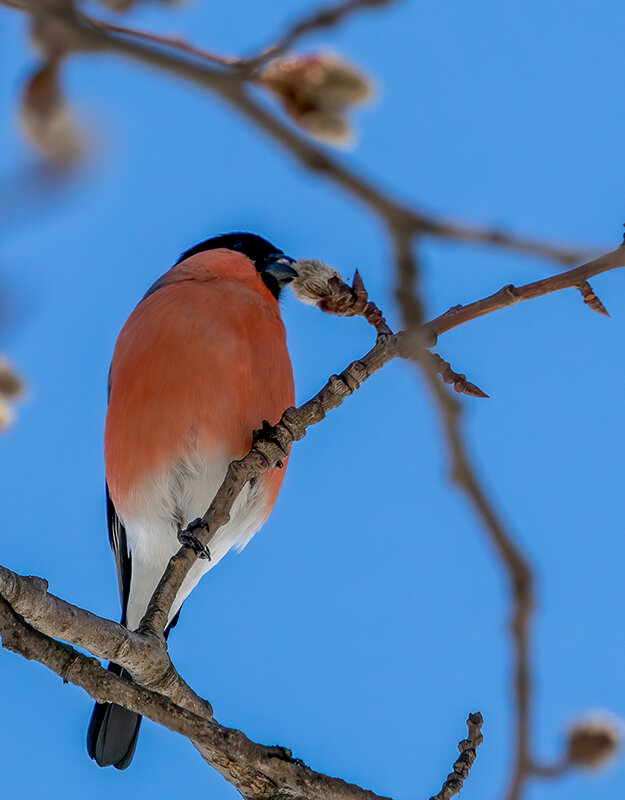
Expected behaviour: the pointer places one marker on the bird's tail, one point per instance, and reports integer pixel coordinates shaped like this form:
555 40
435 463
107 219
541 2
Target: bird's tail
113 731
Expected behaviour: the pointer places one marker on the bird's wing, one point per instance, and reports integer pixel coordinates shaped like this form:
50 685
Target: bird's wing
123 559
119 545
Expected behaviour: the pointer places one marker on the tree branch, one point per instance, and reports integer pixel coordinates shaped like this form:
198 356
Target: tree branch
143 655
257 771
510 295
462 766
322 18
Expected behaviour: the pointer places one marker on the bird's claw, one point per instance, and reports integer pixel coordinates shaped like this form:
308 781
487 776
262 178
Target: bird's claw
268 434
188 537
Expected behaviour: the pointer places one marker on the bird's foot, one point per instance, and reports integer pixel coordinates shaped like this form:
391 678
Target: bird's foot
268 434
188 537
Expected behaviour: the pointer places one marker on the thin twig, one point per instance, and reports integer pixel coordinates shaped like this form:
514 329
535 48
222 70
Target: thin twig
510 295
322 18
462 766
458 380
168 42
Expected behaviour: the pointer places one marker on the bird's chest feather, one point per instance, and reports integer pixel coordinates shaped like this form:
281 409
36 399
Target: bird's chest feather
195 371
166 503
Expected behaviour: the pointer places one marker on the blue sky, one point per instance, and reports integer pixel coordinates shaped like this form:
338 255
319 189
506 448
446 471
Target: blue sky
369 616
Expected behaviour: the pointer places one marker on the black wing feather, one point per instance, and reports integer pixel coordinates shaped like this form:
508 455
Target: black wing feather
113 730
119 545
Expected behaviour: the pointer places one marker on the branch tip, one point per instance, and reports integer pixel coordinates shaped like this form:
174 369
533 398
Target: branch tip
468 752
591 299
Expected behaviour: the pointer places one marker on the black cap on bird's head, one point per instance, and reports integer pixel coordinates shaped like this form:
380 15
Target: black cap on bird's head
271 263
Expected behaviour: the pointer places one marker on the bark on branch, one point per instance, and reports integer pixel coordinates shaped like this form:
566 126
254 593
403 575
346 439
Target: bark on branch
258 772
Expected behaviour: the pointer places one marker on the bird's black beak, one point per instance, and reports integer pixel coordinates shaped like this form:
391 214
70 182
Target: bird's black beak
280 269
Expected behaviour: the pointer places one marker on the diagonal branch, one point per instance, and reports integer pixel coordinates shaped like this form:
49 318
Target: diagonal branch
247 68
144 656
267 453
175 43
510 295
257 771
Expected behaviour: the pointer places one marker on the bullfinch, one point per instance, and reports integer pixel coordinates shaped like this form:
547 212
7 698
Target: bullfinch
200 364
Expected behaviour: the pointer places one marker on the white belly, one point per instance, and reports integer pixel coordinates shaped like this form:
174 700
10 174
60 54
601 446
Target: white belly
169 502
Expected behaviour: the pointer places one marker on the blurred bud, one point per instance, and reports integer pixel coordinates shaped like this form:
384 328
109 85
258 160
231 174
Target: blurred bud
6 414
10 388
316 91
46 119
593 742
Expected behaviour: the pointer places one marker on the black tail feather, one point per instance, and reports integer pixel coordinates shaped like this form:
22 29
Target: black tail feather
113 732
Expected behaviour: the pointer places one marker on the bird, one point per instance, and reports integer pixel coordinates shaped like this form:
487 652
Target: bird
201 363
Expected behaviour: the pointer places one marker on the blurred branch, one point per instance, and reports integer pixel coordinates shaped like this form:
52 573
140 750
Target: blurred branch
169 42
86 34
463 473
322 18
11 387
247 68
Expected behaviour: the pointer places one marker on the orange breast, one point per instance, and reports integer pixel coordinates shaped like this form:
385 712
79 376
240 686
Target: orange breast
199 364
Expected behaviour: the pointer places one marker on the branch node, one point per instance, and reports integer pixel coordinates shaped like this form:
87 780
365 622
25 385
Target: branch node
459 380
591 299
292 422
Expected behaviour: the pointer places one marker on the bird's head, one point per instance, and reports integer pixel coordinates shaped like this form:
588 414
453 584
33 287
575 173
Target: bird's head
273 266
